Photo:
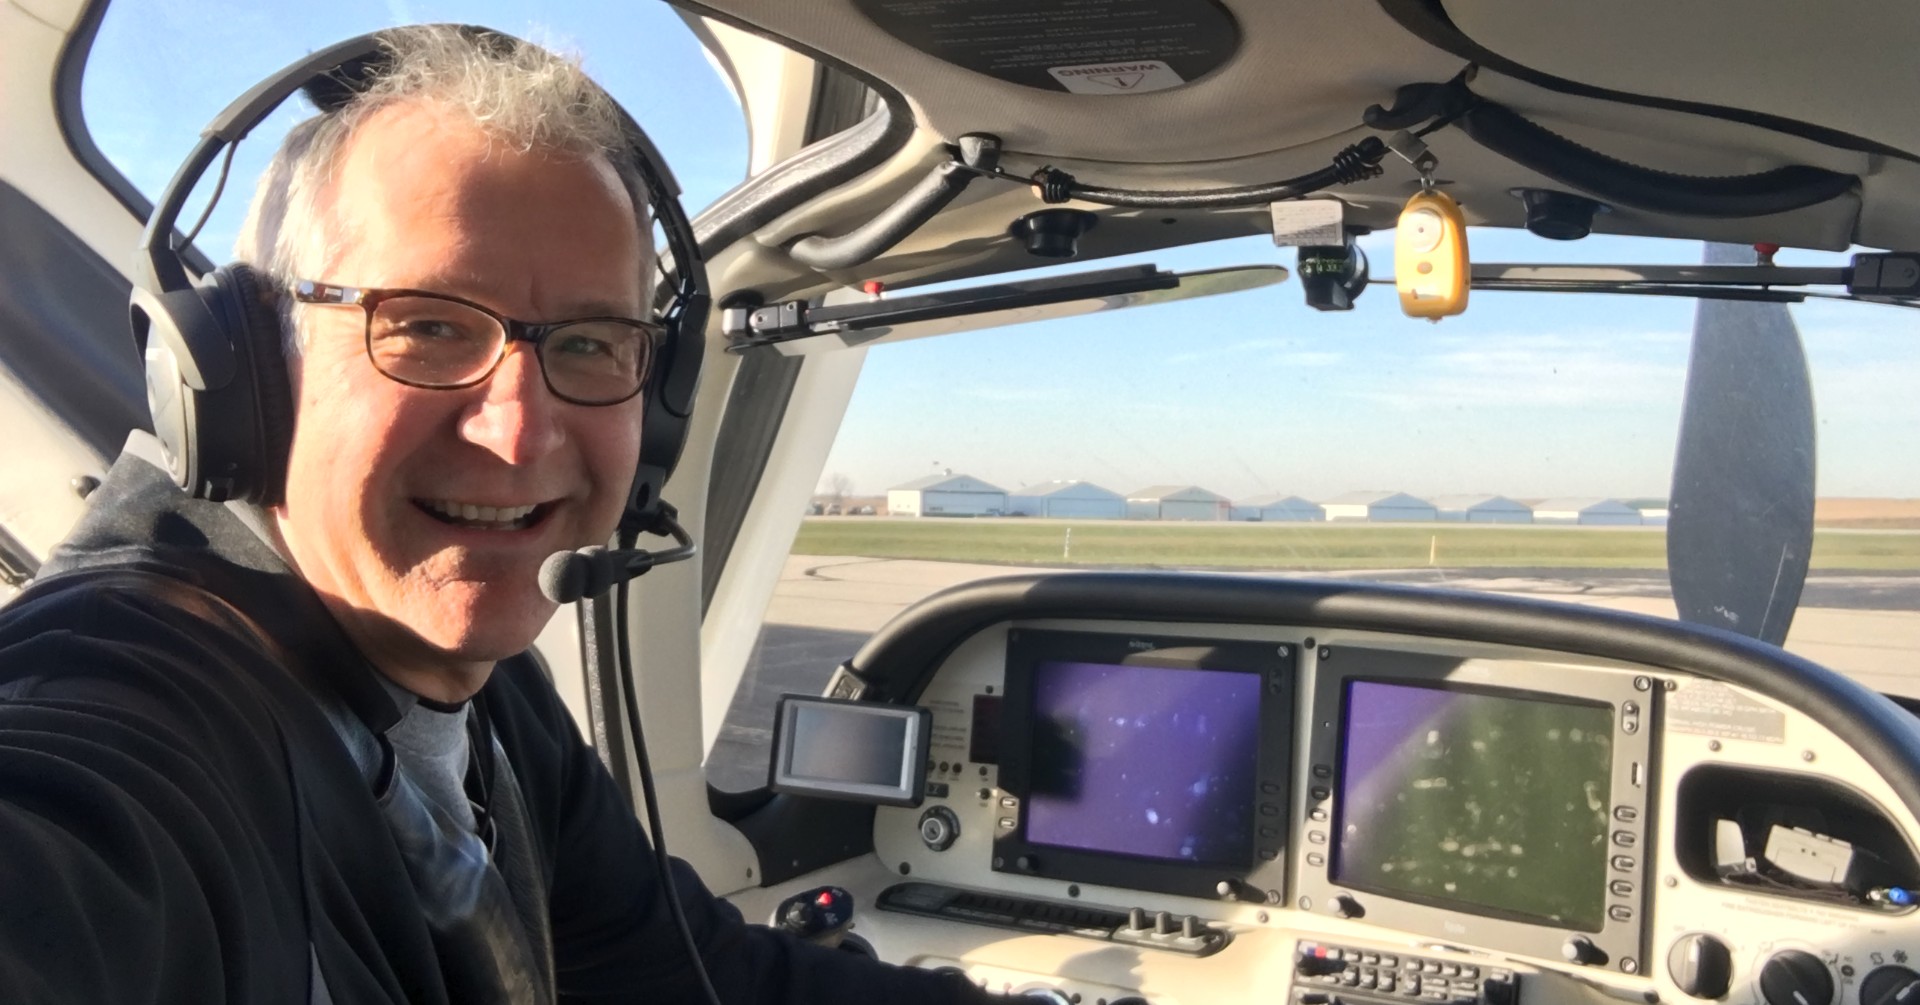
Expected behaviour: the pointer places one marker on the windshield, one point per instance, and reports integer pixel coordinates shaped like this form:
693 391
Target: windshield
1526 447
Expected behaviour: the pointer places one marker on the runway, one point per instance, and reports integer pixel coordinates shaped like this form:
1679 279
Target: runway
1865 626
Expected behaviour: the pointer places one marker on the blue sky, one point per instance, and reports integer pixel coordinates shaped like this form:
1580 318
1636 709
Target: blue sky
1528 395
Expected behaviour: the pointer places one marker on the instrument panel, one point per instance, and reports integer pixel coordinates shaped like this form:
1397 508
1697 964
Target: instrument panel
1120 812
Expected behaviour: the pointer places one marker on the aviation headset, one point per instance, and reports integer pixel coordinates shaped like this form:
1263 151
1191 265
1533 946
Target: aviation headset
217 381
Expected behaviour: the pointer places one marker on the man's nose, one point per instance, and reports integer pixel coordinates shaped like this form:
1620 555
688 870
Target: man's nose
517 419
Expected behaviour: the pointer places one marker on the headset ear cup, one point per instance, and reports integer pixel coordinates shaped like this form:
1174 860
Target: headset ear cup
261 344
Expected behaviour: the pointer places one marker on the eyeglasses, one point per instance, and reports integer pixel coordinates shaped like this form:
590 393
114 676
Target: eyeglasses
436 341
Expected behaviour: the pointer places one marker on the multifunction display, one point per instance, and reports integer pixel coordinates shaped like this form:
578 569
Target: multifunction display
1149 763
1467 797
1501 803
1144 761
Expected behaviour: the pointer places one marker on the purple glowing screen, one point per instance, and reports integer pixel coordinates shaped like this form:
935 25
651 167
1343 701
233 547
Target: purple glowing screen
1145 761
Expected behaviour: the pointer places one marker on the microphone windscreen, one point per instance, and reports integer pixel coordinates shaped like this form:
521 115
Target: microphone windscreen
563 576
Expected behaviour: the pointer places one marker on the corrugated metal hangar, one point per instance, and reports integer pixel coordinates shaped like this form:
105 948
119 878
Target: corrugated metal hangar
946 495
1076 499
1591 512
1380 507
1277 508
1176 502
1481 509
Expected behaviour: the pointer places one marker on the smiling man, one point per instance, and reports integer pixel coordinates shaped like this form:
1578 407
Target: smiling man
299 753
421 516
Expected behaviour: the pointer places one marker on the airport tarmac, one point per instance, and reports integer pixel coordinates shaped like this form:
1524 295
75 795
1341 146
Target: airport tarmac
1865 626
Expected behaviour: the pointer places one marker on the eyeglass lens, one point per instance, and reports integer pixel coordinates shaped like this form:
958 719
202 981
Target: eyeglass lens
431 342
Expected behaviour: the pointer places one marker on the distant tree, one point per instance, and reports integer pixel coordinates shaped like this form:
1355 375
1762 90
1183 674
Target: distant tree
839 487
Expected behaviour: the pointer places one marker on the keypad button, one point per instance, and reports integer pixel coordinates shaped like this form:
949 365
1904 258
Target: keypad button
1316 859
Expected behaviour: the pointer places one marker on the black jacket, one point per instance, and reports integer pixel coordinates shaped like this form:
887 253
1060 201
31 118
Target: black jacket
181 822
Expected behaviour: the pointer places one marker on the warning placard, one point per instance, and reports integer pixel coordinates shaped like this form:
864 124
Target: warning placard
1136 77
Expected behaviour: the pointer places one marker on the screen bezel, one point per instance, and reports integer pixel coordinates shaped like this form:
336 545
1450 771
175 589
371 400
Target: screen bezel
915 745
1273 662
1632 701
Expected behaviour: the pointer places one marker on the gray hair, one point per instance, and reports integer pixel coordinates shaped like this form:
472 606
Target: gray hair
519 94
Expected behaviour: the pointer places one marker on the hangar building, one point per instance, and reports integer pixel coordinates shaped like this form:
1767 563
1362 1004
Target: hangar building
1176 502
946 495
1601 512
1068 499
1481 509
1380 507
1277 508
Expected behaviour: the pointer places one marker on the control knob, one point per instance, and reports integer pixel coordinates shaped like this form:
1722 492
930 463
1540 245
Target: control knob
1580 949
1890 986
1052 996
1702 966
1796 977
939 828
1344 906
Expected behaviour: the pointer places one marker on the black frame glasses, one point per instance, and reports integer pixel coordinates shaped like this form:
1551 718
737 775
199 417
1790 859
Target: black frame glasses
652 336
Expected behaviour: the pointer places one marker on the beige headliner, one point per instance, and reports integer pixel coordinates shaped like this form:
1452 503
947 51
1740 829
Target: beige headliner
1293 94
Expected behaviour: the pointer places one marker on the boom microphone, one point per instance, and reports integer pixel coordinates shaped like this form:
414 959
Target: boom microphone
567 576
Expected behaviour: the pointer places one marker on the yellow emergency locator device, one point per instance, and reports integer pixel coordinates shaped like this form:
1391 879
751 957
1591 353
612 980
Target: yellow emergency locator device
1430 256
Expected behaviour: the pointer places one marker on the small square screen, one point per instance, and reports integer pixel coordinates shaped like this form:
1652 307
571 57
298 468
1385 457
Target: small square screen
830 744
1468 798
1146 761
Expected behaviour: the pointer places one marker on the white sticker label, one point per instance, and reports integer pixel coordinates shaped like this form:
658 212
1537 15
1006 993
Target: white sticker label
1300 222
1130 77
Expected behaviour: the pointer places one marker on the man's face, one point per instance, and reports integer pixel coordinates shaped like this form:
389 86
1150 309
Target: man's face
424 201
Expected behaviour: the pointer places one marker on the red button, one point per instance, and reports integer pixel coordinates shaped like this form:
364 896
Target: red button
824 900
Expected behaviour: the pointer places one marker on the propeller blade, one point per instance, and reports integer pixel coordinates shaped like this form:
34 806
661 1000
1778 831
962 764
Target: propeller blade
1740 525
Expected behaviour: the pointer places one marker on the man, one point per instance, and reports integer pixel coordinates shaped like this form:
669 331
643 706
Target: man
304 757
